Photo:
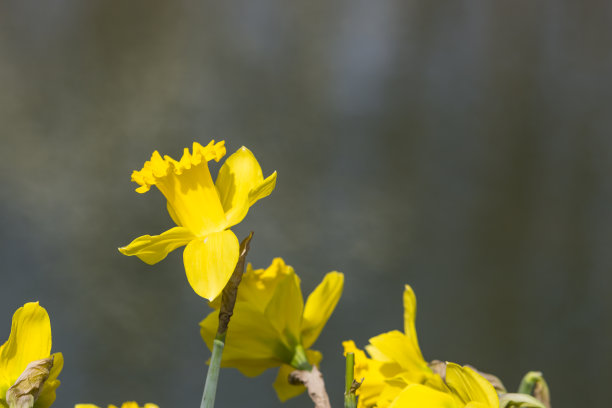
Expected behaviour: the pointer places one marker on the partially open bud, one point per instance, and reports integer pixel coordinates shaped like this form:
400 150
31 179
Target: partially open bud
533 383
25 391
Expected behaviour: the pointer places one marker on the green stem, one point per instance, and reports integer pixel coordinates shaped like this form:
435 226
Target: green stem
228 301
212 377
349 396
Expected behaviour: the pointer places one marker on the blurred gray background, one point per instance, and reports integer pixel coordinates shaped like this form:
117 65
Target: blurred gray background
462 147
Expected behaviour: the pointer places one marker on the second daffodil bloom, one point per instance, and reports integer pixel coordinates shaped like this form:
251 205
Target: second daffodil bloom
29 342
396 375
271 325
202 210
130 404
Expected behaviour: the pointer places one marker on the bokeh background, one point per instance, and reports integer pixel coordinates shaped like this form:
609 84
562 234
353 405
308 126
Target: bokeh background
462 147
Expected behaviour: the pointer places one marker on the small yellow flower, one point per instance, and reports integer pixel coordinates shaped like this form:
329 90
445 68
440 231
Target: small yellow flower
202 210
272 326
396 374
130 404
30 340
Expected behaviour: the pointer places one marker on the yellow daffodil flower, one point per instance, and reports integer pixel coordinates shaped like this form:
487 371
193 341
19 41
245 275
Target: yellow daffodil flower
29 341
130 404
202 210
396 374
272 326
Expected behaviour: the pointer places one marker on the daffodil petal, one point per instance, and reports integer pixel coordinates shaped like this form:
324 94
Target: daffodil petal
47 395
240 176
417 395
285 390
285 310
132 404
410 307
479 405
398 348
402 348
153 248
263 190
251 367
470 386
258 285
209 262
320 305
30 340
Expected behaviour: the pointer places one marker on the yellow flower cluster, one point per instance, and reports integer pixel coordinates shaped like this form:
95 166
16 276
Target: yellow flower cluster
271 326
396 375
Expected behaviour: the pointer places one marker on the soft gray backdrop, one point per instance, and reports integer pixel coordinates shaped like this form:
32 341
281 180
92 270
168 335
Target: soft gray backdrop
463 147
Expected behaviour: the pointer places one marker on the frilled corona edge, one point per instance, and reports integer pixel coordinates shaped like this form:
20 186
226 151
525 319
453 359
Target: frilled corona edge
158 167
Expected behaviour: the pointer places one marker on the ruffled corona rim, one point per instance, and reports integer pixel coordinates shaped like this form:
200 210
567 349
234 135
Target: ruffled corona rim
157 168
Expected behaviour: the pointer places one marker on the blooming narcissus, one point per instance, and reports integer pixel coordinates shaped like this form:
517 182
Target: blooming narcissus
272 326
202 210
130 404
29 342
396 375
